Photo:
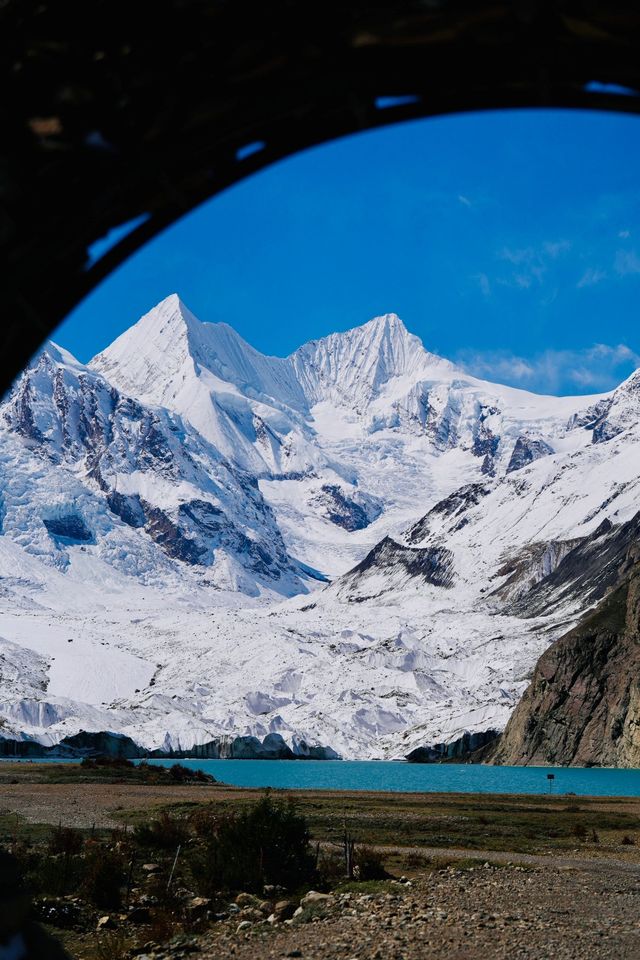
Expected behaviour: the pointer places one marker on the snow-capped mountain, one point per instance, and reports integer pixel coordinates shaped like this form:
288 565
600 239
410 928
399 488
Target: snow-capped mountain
171 514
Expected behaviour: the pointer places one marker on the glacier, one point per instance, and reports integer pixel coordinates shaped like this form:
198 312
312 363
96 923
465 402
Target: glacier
360 545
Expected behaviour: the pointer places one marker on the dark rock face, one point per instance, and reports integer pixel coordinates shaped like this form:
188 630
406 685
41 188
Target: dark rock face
586 570
458 749
456 504
22 748
102 744
486 443
344 511
605 430
168 535
128 508
582 707
526 451
208 527
433 564
592 417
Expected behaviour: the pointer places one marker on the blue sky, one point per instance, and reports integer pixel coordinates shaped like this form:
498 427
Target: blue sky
509 242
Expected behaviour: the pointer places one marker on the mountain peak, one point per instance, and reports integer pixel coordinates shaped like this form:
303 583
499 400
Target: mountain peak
58 355
388 321
169 315
356 365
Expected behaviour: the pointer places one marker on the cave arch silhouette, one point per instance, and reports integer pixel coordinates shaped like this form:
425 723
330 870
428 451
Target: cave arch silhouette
116 113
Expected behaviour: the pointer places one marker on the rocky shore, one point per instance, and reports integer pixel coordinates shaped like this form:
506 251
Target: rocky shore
472 913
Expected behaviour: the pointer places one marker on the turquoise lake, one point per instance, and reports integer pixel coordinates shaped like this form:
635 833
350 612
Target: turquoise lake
415 778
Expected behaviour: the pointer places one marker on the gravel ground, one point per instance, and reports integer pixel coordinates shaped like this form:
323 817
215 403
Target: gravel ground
83 805
488 912
582 905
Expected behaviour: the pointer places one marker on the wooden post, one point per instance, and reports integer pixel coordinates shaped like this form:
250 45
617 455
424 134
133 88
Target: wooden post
173 867
129 879
349 844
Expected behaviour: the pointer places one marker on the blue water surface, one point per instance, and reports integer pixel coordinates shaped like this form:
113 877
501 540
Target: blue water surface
415 778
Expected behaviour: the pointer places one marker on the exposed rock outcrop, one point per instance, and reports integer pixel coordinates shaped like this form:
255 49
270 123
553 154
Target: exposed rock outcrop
582 707
545 576
349 512
526 450
392 563
460 749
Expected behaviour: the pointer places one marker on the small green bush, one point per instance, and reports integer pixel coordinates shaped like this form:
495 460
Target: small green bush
266 843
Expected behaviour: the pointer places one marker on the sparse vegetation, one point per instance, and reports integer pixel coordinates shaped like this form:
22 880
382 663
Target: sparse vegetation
165 832
244 840
102 769
104 875
369 863
65 840
77 876
268 843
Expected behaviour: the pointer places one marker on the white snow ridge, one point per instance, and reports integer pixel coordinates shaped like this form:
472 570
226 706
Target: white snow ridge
358 546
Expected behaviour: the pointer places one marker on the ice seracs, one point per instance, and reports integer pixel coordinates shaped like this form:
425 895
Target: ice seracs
133 484
171 515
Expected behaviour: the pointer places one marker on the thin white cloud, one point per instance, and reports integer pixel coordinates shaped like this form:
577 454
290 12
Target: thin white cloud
594 369
591 276
624 234
626 262
464 200
556 248
484 283
531 263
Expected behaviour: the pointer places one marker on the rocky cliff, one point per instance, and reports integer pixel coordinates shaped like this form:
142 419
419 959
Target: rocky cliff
582 707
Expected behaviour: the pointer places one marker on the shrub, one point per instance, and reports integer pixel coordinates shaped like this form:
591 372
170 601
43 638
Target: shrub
369 864
166 832
203 822
112 945
65 840
414 860
628 841
45 873
331 865
266 843
580 831
181 774
105 761
104 876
